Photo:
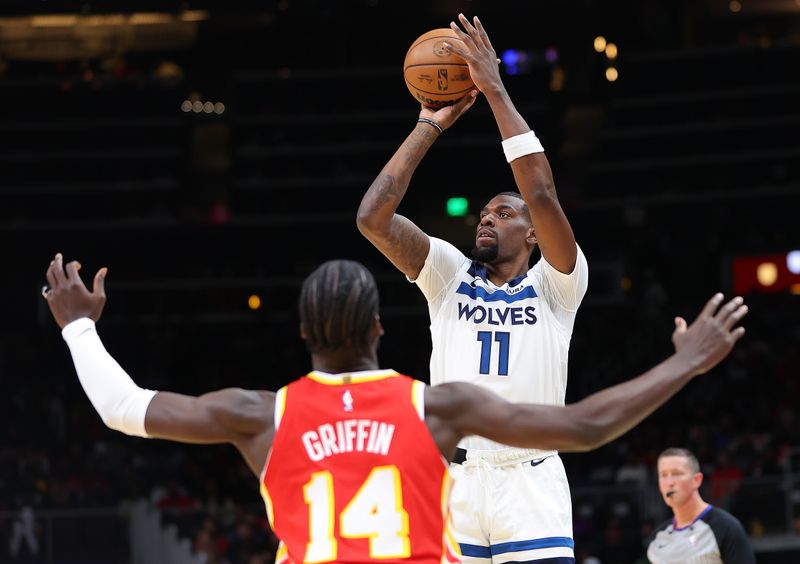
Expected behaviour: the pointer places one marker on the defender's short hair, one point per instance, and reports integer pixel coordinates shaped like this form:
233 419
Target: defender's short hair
338 304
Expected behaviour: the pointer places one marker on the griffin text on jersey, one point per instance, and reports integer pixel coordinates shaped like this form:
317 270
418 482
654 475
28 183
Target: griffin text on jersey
349 435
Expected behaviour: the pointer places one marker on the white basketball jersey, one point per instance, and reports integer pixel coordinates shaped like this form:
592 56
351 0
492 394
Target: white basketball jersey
512 339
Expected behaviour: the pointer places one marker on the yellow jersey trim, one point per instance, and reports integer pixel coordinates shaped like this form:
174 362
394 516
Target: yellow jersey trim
280 406
418 398
350 377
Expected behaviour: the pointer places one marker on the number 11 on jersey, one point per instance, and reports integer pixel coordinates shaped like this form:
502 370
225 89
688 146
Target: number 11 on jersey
502 338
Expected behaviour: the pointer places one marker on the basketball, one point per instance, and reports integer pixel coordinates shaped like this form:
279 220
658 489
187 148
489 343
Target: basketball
433 76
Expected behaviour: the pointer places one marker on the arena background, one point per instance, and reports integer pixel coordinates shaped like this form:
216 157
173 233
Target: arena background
207 152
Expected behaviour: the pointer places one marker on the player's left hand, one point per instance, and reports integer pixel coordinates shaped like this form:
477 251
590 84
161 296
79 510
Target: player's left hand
712 335
478 53
67 296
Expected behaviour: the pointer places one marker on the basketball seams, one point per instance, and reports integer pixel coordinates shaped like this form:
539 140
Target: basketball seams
423 39
415 45
437 65
437 93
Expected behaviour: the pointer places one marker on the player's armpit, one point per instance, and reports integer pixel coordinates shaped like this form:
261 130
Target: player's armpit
232 415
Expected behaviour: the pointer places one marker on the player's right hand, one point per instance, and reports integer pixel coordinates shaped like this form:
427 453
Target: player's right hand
67 296
448 115
712 335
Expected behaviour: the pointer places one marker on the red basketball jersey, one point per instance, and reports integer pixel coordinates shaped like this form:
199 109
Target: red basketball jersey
354 475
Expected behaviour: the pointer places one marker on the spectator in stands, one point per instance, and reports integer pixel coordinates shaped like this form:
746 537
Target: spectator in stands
725 479
24 539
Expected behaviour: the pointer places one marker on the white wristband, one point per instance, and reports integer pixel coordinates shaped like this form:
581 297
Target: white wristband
121 404
521 145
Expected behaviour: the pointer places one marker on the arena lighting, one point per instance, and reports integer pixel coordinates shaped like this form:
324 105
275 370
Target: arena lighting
735 6
515 61
793 262
599 43
611 51
149 18
194 15
766 273
202 107
519 61
54 20
113 20
78 37
254 302
612 74
557 79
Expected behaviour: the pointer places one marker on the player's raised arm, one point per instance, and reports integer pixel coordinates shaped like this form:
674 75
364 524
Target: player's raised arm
244 418
523 151
241 417
459 409
399 239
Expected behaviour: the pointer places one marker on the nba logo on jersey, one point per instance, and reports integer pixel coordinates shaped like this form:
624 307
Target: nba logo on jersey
347 400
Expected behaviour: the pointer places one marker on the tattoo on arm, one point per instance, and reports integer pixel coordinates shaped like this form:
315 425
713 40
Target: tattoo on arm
417 146
384 191
402 242
390 188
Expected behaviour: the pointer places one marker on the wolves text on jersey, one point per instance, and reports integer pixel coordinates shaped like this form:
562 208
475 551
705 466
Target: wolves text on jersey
348 435
497 316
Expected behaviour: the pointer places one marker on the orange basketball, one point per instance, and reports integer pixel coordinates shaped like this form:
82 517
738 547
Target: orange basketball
433 76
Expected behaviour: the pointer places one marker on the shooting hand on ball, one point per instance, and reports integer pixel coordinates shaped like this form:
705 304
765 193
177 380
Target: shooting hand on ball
448 115
479 54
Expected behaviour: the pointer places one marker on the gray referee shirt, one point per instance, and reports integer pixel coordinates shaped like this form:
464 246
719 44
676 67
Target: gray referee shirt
715 537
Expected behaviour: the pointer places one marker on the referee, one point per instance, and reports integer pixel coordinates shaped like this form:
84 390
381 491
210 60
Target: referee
698 533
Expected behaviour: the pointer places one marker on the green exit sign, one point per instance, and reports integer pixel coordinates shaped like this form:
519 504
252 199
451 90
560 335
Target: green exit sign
457 207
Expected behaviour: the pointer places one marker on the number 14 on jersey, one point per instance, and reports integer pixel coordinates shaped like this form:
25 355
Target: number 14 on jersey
375 512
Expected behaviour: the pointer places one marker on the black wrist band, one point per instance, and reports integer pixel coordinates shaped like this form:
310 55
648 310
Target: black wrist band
431 122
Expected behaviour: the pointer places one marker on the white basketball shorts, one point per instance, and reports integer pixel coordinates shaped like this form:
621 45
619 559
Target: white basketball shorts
506 510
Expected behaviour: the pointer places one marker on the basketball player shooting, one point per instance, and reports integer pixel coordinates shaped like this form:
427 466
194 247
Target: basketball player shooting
351 459
495 322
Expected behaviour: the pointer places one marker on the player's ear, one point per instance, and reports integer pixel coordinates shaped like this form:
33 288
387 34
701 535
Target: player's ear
377 328
698 479
530 236
303 334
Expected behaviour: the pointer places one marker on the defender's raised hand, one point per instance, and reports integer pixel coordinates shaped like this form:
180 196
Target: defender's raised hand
68 297
478 53
711 337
